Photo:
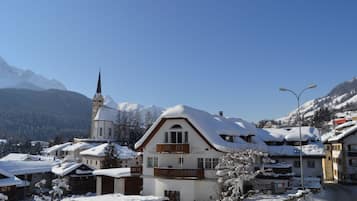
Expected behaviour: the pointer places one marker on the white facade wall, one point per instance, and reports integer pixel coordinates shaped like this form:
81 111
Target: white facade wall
104 130
190 190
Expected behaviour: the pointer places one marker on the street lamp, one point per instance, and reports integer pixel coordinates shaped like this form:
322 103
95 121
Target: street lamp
300 122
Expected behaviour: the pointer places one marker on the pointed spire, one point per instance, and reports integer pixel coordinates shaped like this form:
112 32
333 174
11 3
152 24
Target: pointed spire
99 85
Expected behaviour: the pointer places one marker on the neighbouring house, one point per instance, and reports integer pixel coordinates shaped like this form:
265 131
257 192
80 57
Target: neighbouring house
56 151
126 181
25 157
8 183
276 177
124 157
72 151
284 146
42 144
183 146
77 175
341 146
30 172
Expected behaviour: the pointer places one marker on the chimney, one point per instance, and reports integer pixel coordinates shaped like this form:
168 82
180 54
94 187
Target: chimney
220 113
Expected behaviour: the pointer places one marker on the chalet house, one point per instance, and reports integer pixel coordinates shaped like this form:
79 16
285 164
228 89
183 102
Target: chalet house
95 156
29 172
77 175
182 148
126 181
72 152
342 148
56 151
284 147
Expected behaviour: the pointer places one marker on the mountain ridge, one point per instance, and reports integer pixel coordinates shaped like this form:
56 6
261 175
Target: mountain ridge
13 77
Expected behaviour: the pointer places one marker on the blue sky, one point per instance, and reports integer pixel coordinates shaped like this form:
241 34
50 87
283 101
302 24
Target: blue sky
214 55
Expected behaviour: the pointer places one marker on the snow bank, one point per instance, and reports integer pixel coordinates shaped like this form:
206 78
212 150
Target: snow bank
116 197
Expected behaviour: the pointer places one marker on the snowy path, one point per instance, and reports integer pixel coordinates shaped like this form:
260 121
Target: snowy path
337 192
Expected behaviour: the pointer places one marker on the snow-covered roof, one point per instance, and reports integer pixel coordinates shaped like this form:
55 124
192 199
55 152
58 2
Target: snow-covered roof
78 146
291 134
27 167
56 147
115 197
10 179
211 127
25 157
312 149
113 172
66 167
105 113
122 152
345 125
344 134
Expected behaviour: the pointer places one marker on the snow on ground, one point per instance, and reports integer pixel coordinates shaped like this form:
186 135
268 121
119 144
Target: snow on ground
116 197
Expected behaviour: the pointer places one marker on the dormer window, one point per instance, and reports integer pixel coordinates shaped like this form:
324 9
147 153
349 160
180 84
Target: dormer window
247 138
227 138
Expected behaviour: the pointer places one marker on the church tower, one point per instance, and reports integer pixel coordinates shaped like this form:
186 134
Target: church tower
97 102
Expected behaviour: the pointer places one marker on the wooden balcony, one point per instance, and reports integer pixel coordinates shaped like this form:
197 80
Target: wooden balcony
179 173
173 148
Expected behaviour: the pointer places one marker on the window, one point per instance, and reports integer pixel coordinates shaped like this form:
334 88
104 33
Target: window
208 163
353 162
352 147
215 162
152 162
186 137
311 164
100 131
166 137
110 132
176 126
296 164
180 161
173 137
200 163
179 137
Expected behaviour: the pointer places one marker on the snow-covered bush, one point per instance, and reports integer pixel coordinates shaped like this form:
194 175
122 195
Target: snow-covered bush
3 197
58 187
236 168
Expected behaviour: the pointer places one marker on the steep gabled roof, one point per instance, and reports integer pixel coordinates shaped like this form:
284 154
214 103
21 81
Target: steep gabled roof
347 132
210 127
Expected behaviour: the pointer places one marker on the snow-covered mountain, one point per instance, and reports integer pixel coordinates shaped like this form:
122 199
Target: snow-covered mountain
341 98
12 77
141 111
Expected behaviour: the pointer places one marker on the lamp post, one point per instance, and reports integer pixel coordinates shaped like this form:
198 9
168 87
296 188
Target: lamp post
300 122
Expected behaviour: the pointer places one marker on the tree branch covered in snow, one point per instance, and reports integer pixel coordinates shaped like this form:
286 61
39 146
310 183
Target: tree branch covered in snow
236 168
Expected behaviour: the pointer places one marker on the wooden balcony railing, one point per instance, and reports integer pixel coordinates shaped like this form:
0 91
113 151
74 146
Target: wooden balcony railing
179 173
173 148
136 170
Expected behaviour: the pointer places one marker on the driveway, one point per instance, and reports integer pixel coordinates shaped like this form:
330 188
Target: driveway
337 192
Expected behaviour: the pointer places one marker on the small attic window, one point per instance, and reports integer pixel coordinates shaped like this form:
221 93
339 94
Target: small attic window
247 138
176 126
227 138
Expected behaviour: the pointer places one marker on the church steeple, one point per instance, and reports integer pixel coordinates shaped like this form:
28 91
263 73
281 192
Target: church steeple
99 85
97 103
